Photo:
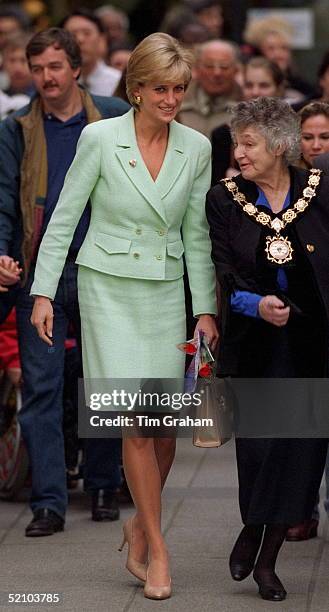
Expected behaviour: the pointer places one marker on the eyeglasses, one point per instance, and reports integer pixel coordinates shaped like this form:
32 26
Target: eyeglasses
217 66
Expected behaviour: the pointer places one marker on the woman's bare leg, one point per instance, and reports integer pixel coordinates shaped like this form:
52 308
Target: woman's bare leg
165 453
145 478
165 449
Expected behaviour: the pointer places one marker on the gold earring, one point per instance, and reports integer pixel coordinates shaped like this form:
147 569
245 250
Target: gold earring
138 100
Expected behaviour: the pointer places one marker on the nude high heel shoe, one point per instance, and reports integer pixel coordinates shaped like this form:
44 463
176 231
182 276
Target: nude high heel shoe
152 591
135 567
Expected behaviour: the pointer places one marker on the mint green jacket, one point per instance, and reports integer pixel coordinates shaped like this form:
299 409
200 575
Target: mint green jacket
139 228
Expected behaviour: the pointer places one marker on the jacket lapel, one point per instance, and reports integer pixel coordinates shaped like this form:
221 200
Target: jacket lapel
173 163
248 188
134 166
298 181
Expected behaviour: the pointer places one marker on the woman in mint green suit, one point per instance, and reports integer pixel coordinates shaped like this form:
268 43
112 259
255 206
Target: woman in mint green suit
146 176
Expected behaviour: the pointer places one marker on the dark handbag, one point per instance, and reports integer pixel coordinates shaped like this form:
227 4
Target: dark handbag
215 414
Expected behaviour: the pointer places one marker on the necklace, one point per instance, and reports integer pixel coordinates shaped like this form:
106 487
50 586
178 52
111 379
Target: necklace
278 248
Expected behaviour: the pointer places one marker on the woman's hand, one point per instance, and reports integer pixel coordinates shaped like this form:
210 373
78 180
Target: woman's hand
207 324
42 318
273 310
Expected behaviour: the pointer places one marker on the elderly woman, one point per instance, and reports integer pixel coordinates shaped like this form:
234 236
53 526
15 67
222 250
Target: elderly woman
147 177
270 234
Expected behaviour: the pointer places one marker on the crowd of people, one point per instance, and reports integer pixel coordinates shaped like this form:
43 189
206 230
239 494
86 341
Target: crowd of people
93 121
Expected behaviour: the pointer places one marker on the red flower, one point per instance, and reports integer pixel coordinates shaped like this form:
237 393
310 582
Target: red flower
189 348
205 371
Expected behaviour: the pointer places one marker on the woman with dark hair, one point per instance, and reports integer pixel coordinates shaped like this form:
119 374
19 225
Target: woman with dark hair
264 224
314 120
261 78
118 56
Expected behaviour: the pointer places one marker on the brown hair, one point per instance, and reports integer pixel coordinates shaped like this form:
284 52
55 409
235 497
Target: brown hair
312 110
58 38
264 63
161 58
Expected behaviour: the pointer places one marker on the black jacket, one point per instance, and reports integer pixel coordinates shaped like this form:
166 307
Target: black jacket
235 238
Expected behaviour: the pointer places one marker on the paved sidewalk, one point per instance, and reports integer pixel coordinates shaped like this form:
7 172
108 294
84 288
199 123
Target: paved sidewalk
201 521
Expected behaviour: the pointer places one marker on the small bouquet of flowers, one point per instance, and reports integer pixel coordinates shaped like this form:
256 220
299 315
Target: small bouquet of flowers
202 364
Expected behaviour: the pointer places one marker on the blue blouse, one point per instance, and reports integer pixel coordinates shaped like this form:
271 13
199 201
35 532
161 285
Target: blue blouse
246 302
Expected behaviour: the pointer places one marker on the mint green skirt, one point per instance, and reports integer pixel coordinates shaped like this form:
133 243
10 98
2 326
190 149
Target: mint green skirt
131 327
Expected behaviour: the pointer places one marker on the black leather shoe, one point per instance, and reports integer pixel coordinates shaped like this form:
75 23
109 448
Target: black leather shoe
104 506
270 587
244 553
45 522
240 571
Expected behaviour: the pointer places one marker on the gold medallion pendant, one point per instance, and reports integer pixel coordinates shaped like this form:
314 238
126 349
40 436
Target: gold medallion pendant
278 249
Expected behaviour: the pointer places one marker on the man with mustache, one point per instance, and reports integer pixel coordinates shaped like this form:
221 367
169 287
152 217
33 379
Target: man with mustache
37 146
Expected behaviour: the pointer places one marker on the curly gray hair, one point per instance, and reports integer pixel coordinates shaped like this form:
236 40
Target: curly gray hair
275 120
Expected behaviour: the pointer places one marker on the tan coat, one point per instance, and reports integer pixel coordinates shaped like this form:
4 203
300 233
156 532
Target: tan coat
204 113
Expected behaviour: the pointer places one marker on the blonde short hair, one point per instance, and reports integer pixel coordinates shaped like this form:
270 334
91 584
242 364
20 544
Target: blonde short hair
158 58
258 30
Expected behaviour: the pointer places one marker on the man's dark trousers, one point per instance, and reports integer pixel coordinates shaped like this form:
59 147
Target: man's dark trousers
41 417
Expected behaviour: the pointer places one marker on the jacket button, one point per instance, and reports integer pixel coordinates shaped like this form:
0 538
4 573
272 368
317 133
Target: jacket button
159 257
136 255
138 232
310 248
161 232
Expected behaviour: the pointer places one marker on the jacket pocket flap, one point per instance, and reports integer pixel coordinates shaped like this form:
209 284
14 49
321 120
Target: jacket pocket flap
112 244
175 249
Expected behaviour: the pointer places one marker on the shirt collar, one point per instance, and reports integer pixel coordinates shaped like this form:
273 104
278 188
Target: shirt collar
263 201
80 116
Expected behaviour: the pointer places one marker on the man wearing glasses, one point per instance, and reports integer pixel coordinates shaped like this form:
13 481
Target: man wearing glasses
214 89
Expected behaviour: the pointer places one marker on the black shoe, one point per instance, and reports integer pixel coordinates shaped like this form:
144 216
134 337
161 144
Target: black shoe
244 553
45 522
104 506
270 587
240 571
